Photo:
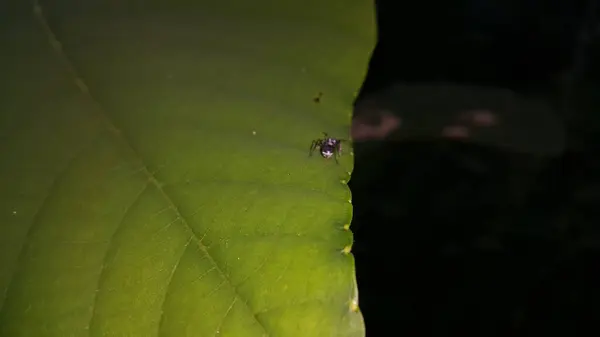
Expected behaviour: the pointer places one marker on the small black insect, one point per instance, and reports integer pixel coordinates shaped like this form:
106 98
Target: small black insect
328 147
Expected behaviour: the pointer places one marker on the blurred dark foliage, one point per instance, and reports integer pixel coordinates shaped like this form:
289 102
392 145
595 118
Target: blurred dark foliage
460 238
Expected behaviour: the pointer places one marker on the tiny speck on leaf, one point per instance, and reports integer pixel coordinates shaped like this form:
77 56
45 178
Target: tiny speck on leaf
317 99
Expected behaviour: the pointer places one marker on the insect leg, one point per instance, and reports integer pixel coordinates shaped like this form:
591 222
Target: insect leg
313 146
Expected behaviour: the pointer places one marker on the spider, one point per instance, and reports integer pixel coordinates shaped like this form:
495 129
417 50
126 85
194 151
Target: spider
328 147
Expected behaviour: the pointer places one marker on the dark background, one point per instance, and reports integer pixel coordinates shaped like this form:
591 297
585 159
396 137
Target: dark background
468 239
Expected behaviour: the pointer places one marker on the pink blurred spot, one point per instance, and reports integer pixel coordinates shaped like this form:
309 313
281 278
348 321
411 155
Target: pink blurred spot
483 118
361 131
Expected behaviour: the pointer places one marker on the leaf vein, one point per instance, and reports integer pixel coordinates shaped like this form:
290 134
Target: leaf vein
295 303
36 217
285 187
102 276
110 125
217 330
162 305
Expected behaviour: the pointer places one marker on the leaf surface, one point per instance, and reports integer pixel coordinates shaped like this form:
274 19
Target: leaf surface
155 178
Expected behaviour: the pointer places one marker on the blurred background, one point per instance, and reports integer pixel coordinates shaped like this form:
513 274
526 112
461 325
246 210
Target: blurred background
496 232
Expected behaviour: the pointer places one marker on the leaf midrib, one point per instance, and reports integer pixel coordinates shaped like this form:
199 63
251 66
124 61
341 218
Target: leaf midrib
110 125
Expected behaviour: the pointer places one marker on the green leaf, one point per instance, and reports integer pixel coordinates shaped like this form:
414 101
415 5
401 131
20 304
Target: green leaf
155 178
